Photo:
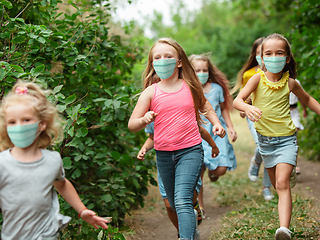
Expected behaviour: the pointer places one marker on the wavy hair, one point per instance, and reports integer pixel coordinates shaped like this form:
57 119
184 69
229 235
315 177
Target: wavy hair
251 62
292 65
186 72
216 76
43 107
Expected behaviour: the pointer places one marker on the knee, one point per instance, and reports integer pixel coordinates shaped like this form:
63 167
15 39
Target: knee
282 184
167 205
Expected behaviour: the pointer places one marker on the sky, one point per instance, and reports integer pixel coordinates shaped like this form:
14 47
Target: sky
140 10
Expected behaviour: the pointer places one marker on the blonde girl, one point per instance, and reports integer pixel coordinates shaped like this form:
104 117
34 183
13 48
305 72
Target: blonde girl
270 113
216 89
172 98
28 172
249 69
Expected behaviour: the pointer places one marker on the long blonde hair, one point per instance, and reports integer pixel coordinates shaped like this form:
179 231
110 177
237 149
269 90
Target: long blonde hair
216 76
45 110
186 72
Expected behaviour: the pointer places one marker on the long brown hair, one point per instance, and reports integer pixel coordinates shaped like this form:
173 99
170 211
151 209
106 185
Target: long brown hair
251 62
292 65
186 73
216 76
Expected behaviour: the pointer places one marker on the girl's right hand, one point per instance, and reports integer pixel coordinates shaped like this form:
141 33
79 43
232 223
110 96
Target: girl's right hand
141 154
253 113
149 117
215 152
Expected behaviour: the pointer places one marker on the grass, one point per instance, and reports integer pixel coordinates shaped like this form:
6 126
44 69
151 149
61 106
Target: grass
252 217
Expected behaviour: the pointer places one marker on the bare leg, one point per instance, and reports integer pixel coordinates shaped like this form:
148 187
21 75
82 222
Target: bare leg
218 172
171 214
200 197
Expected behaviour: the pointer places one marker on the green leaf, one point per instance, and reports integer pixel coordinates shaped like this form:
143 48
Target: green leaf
70 99
115 155
57 89
38 70
41 40
2 73
135 182
17 68
67 162
82 132
106 197
61 108
6 3
19 39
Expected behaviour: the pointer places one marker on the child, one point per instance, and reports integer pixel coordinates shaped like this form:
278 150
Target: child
215 87
249 69
294 112
28 172
148 145
271 115
174 104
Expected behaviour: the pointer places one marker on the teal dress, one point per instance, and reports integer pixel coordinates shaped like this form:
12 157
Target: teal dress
226 157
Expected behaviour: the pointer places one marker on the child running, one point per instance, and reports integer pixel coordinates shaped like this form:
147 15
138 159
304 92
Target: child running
174 104
249 69
215 87
28 172
271 115
148 145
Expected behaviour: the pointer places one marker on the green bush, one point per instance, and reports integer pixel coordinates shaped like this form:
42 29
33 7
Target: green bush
89 73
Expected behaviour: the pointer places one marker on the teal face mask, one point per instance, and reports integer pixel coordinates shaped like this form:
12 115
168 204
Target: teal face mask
258 58
203 77
23 136
165 67
274 64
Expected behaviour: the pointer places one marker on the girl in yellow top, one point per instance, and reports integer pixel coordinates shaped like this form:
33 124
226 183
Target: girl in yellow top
249 69
271 113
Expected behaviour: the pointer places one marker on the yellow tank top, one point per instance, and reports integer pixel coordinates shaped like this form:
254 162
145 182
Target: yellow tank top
247 75
272 98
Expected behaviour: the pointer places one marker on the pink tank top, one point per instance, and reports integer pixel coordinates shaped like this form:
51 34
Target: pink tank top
175 126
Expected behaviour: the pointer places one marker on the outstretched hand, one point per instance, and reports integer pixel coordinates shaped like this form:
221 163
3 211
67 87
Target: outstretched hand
219 130
92 218
253 113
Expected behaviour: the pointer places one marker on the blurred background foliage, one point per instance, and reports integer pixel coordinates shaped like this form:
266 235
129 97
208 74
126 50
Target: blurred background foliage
94 65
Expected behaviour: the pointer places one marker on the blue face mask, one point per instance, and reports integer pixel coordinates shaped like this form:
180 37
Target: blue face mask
23 136
258 58
165 67
274 64
203 77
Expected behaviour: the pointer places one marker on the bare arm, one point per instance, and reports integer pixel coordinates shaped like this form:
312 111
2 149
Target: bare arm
304 97
147 146
226 116
252 112
212 117
69 193
207 137
141 116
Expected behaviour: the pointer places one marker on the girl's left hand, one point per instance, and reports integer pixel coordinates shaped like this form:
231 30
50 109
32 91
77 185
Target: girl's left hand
92 218
215 152
219 130
233 134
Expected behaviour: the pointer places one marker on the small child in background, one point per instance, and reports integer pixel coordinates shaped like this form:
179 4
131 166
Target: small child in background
294 112
148 145
270 113
215 88
249 69
29 173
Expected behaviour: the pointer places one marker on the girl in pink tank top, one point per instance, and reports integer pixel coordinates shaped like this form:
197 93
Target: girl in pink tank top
173 98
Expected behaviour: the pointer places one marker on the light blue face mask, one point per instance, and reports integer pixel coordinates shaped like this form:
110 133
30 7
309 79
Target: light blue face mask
165 67
258 58
23 136
274 64
203 77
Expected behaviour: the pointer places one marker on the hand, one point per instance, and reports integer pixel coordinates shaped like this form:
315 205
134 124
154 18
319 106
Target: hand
253 113
219 130
305 113
141 154
149 117
91 218
242 114
215 151
233 134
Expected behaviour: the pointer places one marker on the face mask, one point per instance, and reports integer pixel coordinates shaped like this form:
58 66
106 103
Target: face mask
203 77
23 136
258 58
274 64
165 67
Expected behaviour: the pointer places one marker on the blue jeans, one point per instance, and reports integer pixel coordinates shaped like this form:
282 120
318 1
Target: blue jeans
180 171
266 180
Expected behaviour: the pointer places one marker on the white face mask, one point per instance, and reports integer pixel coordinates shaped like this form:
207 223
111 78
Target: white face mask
23 136
274 64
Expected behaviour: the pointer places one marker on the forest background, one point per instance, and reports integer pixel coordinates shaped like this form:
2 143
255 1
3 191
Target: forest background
94 65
